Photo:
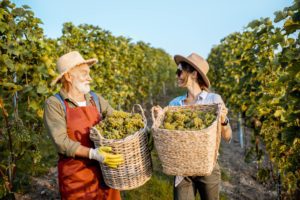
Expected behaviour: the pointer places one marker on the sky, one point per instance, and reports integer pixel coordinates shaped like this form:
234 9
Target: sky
177 26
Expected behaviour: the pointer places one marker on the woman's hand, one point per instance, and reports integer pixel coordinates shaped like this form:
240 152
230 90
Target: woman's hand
223 114
225 129
157 110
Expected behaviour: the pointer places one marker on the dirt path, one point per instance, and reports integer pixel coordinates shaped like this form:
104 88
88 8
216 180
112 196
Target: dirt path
44 187
240 186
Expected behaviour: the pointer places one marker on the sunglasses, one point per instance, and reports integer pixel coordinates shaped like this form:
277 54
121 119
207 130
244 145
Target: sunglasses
178 72
179 69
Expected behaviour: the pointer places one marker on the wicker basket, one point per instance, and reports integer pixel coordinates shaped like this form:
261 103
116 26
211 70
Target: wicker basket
187 153
137 167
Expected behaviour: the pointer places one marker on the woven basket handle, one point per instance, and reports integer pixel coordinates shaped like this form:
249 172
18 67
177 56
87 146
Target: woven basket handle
95 136
219 108
141 109
153 114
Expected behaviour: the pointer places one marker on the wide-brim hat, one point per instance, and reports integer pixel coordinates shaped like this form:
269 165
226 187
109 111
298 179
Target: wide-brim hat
197 62
68 61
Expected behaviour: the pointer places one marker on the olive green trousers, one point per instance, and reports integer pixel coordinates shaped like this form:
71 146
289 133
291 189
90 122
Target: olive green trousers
207 186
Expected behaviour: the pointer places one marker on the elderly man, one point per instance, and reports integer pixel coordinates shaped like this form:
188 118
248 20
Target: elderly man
68 117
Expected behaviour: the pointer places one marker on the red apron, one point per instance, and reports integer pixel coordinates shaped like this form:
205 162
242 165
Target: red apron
80 178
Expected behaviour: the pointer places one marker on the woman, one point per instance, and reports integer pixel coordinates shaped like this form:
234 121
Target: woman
191 74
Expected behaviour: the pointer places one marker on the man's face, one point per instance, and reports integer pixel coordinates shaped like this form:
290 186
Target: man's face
80 78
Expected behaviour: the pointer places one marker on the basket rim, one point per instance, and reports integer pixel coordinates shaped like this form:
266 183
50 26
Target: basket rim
189 131
195 105
128 137
158 118
122 139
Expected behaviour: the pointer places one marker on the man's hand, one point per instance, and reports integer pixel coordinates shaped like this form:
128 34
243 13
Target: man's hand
103 155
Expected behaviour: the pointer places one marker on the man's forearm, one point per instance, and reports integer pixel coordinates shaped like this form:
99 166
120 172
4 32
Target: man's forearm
82 151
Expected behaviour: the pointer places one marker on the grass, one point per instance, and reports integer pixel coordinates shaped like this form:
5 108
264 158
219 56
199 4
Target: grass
225 176
223 196
160 186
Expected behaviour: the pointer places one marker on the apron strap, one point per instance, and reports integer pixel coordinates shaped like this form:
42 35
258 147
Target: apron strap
93 94
96 100
59 97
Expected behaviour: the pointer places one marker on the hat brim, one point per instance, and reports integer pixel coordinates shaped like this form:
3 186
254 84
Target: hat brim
89 62
178 59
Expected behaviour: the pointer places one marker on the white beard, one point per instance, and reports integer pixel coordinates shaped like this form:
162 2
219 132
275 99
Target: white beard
83 87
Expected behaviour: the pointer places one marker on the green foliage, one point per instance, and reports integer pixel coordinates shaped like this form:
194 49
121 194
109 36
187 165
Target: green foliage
120 124
21 47
18 145
223 196
263 174
257 71
185 119
127 73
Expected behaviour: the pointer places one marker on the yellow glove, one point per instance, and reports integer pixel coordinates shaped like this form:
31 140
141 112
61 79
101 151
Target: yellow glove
103 155
111 160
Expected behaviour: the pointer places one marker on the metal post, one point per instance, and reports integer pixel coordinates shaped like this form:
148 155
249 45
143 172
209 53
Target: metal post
240 130
278 186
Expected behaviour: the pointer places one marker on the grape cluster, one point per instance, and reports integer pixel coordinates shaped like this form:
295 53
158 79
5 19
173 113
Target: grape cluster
120 124
188 119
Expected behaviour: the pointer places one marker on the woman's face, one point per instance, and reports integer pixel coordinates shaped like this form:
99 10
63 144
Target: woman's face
184 78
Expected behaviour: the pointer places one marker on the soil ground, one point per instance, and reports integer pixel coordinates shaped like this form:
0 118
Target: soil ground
242 182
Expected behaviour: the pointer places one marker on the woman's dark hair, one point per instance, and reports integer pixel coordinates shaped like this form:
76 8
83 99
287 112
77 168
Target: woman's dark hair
190 69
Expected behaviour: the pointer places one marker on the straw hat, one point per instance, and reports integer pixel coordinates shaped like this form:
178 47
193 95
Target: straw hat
68 61
197 62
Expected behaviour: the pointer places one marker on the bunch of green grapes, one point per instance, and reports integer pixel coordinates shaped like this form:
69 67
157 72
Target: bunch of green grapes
188 119
120 124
